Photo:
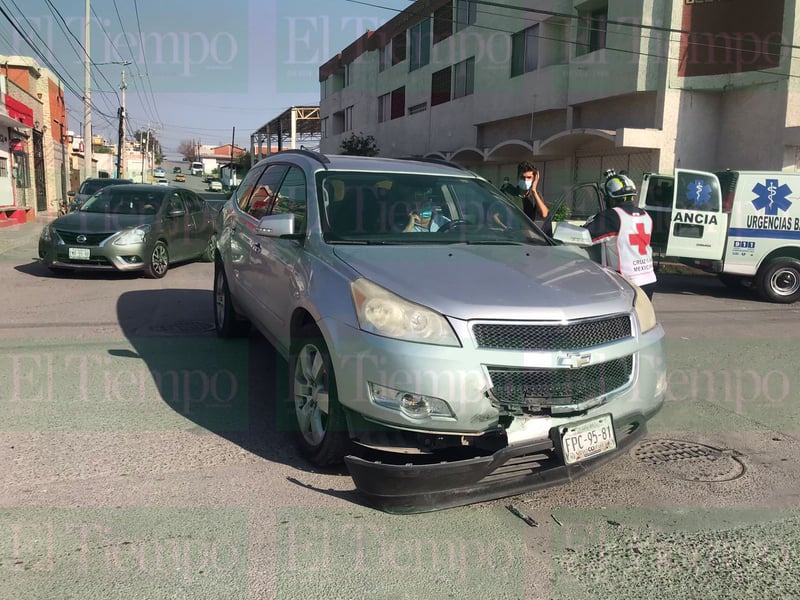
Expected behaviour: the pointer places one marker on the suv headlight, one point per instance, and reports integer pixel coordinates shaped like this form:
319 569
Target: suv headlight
644 310
47 234
384 313
136 235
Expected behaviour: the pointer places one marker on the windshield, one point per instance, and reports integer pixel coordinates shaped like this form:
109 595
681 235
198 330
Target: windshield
90 187
404 208
124 202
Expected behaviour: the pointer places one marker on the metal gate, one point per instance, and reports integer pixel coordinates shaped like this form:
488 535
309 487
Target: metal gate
38 171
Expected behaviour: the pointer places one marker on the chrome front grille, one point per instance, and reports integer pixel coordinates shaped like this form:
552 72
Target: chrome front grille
558 387
92 239
569 336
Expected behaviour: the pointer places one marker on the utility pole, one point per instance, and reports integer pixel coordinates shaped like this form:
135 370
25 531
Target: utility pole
87 94
121 142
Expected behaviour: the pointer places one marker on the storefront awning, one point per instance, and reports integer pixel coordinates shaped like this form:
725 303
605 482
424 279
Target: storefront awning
16 111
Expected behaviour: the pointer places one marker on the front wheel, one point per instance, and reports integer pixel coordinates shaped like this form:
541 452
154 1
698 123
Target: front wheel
779 280
227 322
210 250
321 434
159 261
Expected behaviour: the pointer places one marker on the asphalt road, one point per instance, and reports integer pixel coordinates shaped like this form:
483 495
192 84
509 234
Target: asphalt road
144 458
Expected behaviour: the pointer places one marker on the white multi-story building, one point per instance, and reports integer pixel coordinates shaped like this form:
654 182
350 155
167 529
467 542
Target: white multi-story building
576 87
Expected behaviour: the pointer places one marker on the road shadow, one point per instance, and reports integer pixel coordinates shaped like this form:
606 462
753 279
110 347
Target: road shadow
37 269
704 285
237 389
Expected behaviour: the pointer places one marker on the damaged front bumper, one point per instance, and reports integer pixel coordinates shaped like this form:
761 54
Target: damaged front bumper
415 488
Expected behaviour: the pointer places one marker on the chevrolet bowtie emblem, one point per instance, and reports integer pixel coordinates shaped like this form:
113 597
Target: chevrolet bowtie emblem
574 360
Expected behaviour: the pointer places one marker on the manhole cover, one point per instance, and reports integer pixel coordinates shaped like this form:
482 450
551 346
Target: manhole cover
690 461
181 327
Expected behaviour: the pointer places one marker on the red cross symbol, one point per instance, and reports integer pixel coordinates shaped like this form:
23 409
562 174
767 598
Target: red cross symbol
640 239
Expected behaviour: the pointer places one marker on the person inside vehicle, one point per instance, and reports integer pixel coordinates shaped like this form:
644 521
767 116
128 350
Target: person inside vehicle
425 219
624 230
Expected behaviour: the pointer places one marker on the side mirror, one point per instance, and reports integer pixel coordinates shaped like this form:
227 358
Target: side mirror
276 225
71 194
179 212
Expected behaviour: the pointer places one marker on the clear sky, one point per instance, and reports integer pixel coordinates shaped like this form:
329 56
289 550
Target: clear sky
206 66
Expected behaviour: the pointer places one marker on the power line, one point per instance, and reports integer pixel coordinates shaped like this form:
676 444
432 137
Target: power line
144 56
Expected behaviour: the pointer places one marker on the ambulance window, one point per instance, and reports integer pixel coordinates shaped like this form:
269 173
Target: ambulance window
659 192
696 193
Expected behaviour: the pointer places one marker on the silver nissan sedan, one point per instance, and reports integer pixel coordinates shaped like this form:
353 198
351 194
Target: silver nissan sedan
438 342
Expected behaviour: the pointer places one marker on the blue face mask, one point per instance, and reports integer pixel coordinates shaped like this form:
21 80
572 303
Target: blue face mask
525 184
426 212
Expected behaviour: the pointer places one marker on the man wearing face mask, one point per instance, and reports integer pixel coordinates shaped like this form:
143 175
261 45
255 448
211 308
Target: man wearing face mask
528 192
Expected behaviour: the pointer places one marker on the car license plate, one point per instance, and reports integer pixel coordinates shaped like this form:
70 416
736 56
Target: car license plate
587 439
79 253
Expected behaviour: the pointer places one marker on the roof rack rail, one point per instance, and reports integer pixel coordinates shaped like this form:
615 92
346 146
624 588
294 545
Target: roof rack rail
318 156
436 161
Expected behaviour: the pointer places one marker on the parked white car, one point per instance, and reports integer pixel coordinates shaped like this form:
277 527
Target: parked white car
215 185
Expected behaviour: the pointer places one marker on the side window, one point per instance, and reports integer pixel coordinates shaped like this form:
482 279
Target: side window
245 189
175 202
193 202
291 198
263 190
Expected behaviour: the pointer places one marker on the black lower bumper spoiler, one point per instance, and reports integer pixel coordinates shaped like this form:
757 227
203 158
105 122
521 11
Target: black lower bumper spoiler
410 488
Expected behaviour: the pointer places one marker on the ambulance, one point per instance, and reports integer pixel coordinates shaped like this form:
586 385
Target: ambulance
743 226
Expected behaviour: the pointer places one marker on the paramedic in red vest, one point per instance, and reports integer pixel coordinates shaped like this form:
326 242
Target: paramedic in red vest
624 230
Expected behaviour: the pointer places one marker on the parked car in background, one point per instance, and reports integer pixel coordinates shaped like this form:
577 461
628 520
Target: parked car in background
215 185
131 228
438 342
159 172
180 178
162 181
91 186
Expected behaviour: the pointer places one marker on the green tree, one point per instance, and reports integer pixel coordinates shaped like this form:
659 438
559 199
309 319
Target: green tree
359 145
153 144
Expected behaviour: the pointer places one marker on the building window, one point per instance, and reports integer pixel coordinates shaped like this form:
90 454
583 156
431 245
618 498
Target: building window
3 167
384 108
338 122
398 102
466 13
417 108
525 51
399 48
348 118
323 127
420 53
385 57
464 78
440 86
592 29
348 71
443 23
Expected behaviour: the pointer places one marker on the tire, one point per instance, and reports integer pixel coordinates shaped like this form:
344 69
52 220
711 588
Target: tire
158 264
322 433
211 249
779 280
227 323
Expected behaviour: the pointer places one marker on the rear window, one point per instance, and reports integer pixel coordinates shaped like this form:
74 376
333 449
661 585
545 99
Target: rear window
90 187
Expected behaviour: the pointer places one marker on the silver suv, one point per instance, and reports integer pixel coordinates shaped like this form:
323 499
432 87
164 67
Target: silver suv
438 342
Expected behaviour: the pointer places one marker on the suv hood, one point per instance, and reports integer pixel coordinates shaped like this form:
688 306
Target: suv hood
493 282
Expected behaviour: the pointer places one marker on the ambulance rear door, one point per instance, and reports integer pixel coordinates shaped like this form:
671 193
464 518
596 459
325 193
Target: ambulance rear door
698 226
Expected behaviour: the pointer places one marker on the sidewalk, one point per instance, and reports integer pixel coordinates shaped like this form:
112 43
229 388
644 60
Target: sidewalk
14 236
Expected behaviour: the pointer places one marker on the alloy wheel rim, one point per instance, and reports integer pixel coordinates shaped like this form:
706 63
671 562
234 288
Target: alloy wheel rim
219 295
160 260
311 395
